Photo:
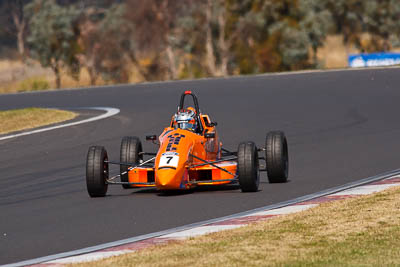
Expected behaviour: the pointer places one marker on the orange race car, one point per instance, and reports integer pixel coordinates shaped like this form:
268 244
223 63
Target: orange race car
189 154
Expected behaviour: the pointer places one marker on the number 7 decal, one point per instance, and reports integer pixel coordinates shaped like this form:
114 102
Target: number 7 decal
169 161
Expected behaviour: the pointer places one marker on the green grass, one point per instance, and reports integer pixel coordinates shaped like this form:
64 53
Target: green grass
363 231
28 118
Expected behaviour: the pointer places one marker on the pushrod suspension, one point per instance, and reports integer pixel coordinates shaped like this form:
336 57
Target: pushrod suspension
212 164
130 168
217 161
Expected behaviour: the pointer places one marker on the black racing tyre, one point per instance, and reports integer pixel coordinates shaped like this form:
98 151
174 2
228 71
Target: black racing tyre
248 167
97 171
129 153
277 157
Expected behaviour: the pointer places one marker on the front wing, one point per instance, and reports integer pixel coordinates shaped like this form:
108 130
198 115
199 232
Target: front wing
215 174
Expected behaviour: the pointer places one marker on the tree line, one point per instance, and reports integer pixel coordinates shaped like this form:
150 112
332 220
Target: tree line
171 39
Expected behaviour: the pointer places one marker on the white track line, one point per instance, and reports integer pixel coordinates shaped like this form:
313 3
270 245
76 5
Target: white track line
299 204
284 210
364 190
202 230
206 229
109 112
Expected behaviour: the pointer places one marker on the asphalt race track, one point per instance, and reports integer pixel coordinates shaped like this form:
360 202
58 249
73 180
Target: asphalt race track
341 126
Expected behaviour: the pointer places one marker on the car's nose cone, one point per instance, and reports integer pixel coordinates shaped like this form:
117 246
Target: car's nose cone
168 179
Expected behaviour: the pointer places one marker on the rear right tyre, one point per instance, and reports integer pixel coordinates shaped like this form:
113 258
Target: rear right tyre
248 167
277 157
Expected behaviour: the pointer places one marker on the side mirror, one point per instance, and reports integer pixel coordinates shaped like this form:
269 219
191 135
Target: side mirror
213 124
209 135
151 137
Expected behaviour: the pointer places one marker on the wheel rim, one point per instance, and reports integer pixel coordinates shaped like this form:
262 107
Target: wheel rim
105 169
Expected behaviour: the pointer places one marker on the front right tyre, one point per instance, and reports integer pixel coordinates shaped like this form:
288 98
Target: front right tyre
97 171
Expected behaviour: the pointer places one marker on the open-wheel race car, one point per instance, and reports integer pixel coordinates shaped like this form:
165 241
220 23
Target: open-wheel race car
189 154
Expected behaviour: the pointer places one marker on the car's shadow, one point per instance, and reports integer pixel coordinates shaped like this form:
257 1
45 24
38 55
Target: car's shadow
188 191
199 189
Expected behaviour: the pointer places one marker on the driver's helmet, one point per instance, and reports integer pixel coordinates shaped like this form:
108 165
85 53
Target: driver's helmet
185 120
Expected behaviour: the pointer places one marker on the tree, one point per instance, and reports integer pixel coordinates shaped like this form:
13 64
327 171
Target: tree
317 22
54 36
157 33
382 21
271 30
17 22
216 26
17 12
347 17
218 42
354 18
90 42
112 44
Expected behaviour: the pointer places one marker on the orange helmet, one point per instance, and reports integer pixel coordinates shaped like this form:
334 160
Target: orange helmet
191 109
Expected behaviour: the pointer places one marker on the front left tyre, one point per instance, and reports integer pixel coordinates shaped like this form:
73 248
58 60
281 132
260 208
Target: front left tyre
97 171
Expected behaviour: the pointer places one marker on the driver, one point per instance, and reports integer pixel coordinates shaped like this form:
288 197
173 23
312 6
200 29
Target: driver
186 120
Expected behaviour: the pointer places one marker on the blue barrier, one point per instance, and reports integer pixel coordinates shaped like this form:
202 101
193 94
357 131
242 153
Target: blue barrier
374 60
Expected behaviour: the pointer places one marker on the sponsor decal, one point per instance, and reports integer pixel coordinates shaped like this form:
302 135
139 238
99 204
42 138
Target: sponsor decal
173 141
170 154
167 132
374 60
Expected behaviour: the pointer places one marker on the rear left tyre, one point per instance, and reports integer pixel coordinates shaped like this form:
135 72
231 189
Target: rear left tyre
130 153
248 167
97 171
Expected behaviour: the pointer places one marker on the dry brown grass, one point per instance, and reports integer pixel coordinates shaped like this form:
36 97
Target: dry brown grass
22 119
334 54
68 82
18 77
49 78
364 231
10 64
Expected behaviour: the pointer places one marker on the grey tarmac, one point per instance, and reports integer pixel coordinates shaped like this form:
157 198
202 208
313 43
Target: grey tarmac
341 126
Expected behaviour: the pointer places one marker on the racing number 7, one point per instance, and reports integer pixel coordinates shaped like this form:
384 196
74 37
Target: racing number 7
169 159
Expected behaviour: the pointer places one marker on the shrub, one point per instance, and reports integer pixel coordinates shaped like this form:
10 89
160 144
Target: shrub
33 84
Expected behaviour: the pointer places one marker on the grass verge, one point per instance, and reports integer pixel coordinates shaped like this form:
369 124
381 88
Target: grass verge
362 231
28 118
